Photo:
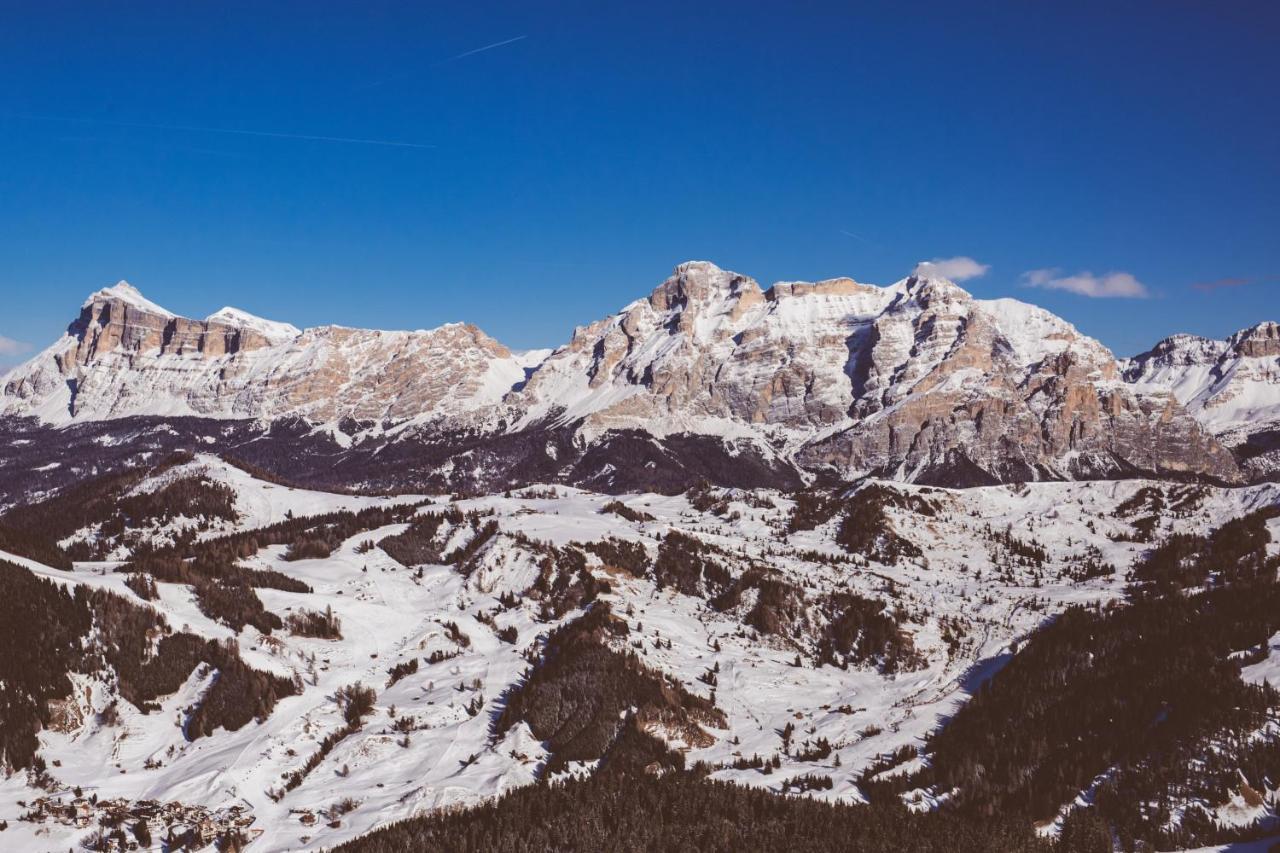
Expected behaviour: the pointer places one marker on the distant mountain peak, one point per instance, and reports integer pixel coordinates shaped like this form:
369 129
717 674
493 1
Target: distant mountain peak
272 330
123 291
1259 340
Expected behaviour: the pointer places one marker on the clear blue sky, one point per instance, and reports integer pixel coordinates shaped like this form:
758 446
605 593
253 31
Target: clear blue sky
567 170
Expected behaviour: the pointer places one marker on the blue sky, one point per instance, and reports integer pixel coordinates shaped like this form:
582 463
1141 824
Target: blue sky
546 181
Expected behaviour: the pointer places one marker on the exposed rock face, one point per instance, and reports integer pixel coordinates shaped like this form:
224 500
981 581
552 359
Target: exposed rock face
961 389
118 319
1232 387
1260 341
709 351
126 356
917 380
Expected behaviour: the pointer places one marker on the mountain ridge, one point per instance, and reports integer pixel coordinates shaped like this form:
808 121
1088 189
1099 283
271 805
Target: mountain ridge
917 380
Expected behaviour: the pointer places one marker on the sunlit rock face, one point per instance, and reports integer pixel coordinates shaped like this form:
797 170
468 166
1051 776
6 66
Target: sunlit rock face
126 356
917 380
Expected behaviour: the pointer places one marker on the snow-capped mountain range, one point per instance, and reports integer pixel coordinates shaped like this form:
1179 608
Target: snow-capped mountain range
917 381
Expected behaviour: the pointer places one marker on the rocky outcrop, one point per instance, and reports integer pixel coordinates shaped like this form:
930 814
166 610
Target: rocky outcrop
1227 384
125 356
118 319
1260 341
1231 387
917 380
957 388
710 351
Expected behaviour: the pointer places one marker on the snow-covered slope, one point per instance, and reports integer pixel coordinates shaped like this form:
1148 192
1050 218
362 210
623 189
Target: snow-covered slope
273 331
126 294
1228 385
429 741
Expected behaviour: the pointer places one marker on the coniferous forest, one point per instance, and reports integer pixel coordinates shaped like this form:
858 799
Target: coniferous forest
678 812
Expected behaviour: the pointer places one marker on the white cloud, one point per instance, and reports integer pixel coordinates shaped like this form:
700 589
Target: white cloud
1112 285
956 269
10 347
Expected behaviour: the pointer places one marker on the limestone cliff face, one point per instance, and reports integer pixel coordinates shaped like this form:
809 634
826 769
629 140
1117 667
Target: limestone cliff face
709 350
996 391
1260 341
918 380
126 356
113 322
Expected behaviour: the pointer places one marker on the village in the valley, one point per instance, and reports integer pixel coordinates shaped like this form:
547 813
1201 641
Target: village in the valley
137 825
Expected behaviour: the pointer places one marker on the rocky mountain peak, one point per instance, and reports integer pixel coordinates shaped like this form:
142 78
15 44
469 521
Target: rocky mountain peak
701 287
917 380
125 294
273 331
119 318
927 290
1261 340
1258 341
1231 386
1183 349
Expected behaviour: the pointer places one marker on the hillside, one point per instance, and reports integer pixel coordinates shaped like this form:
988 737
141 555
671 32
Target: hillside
433 651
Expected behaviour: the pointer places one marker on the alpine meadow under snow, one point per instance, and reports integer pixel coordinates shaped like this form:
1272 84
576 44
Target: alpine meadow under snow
827 565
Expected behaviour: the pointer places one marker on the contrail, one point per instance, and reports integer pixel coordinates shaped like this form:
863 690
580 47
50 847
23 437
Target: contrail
195 129
856 237
481 49
404 74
